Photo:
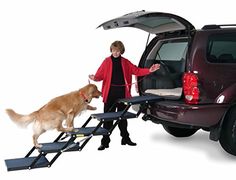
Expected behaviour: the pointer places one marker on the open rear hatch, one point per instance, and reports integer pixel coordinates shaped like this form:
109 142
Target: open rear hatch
152 22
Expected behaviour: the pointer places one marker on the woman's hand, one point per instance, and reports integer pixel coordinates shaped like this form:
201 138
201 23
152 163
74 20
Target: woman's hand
154 67
91 76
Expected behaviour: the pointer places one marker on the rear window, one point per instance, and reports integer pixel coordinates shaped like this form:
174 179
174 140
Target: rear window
172 51
221 48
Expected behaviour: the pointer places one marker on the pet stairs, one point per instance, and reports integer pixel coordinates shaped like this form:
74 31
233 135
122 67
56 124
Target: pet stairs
60 145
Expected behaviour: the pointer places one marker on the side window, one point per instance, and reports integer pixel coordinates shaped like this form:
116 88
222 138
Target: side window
172 51
221 48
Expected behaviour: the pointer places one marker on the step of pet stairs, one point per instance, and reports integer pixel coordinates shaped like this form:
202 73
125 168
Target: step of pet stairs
110 116
88 131
25 163
140 99
55 147
64 146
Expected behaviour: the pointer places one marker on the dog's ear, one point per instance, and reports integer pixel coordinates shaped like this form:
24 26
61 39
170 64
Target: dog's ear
91 89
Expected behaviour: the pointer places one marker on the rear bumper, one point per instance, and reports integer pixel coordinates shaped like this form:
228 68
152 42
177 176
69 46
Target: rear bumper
193 115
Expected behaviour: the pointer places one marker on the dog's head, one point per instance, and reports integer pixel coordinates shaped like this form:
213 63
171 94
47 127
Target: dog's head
89 92
93 91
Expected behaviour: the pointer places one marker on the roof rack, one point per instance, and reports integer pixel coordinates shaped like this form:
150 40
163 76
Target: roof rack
218 26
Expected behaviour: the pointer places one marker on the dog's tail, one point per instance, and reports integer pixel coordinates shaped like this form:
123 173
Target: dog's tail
19 119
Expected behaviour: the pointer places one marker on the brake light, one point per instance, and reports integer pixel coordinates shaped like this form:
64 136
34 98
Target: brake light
190 87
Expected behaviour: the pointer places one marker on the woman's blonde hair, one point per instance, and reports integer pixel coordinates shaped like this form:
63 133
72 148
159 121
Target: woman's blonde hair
119 45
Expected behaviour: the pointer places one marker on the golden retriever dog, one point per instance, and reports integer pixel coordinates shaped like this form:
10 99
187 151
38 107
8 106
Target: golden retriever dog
52 114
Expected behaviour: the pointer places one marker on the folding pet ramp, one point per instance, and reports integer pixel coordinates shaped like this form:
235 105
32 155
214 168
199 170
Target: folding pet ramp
61 145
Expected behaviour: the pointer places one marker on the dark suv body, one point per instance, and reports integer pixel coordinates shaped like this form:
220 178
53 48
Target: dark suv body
197 78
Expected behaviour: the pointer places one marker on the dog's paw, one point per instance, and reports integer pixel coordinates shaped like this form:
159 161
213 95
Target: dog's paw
93 108
38 146
70 129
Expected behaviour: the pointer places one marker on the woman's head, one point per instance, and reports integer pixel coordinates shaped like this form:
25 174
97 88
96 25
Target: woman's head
117 48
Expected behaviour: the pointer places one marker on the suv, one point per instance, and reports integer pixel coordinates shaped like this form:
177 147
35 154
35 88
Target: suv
197 75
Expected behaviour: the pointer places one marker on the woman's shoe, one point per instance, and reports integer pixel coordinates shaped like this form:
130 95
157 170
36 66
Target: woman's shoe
128 142
102 147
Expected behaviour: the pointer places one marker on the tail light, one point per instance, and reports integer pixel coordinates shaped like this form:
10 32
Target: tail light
190 87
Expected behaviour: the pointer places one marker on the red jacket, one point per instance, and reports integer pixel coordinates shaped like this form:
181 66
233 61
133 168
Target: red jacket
104 74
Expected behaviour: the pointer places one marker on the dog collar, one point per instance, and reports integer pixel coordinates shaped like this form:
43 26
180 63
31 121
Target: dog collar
84 96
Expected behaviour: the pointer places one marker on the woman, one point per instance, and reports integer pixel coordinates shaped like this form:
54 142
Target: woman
116 73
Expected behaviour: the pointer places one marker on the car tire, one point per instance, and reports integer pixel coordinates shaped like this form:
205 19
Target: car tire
179 132
228 132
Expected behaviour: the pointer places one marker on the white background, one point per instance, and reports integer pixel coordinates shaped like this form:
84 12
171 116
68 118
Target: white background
48 48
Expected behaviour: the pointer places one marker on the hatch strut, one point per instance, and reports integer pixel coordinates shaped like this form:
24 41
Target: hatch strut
147 40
